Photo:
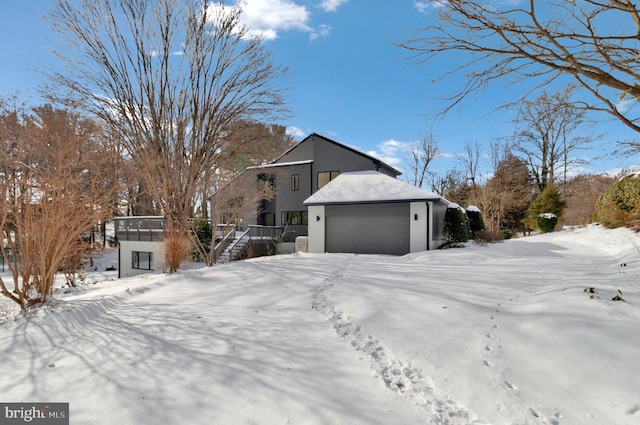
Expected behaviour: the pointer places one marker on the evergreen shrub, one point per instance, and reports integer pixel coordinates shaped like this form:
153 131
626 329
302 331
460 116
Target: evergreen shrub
203 231
547 222
620 204
476 223
456 227
549 201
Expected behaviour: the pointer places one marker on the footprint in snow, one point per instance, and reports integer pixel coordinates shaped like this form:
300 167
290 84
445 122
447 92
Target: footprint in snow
510 385
634 409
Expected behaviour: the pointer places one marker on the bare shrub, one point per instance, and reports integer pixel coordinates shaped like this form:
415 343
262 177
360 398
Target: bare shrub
51 191
177 249
484 237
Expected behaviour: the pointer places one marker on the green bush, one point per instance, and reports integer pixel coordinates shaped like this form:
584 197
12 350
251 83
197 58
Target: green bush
506 233
548 202
620 204
203 231
456 227
476 223
547 222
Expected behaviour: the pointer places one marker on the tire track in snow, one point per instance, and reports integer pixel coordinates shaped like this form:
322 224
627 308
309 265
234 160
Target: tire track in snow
399 376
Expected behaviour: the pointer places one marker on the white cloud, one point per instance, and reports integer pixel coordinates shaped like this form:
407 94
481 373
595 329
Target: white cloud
322 32
267 17
296 132
332 5
392 151
424 5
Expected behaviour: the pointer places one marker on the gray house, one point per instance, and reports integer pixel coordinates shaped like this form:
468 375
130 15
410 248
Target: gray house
296 175
371 213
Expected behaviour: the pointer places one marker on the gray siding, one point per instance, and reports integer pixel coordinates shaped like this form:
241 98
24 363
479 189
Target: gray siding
326 154
331 157
289 200
368 228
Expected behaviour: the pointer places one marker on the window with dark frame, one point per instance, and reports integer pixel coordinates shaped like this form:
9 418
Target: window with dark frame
295 182
325 177
295 217
141 260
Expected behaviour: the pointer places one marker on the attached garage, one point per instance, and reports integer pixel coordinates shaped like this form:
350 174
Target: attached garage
371 213
380 228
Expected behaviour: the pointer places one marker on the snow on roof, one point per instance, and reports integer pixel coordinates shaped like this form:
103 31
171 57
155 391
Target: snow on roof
368 187
547 215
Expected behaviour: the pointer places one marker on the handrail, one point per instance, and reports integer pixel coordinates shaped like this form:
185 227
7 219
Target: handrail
259 231
219 248
233 245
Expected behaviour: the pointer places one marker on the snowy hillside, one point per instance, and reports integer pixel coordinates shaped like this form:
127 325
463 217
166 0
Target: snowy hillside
520 332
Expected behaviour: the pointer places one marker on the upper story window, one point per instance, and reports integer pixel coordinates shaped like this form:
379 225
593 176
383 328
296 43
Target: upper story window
325 177
295 182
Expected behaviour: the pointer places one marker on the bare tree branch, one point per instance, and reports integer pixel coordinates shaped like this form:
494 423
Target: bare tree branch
422 154
170 78
593 42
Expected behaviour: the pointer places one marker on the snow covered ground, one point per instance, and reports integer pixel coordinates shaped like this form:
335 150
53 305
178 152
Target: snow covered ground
520 332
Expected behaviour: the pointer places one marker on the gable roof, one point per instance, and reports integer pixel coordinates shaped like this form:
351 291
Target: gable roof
375 160
368 187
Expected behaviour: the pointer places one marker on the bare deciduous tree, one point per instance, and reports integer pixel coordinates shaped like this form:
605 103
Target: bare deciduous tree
52 194
592 42
422 154
170 78
547 136
470 160
249 144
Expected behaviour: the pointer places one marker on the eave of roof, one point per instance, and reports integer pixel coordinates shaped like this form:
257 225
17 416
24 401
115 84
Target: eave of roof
280 164
342 145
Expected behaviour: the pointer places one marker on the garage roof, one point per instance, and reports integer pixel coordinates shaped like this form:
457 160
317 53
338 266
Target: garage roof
369 187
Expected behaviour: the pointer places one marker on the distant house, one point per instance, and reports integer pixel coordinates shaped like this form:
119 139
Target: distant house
297 174
369 212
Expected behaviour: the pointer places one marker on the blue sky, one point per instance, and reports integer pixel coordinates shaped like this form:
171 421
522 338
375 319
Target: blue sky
349 82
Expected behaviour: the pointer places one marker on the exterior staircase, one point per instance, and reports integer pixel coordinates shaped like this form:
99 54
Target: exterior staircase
236 248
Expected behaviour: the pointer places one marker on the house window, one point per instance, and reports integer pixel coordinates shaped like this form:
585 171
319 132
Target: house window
295 217
234 203
325 177
295 182
141 260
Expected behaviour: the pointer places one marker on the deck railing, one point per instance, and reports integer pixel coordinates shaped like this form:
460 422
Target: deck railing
264 232
138 228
